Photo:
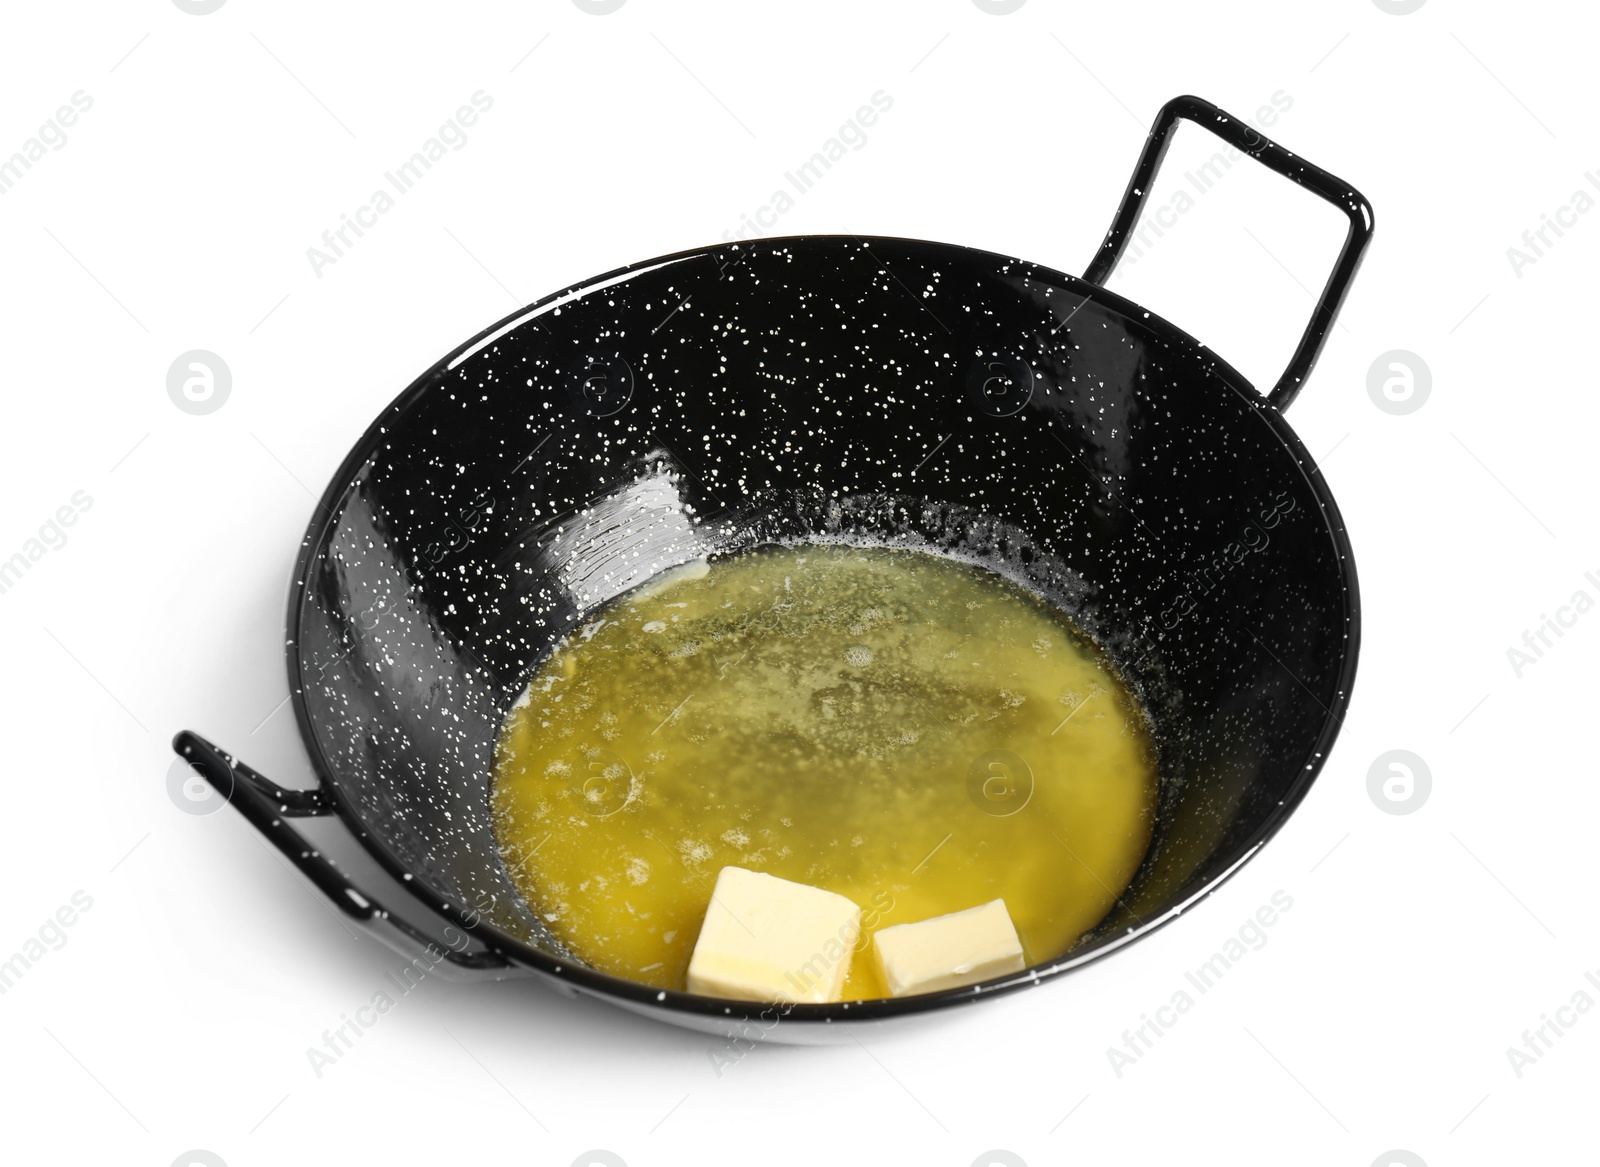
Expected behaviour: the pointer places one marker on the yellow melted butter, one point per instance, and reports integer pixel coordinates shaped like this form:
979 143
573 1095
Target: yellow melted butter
850 718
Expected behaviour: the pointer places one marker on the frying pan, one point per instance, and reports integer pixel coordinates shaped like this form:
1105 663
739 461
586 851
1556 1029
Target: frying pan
817 388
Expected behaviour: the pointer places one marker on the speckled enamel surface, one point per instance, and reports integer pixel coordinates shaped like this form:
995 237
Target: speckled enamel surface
875 390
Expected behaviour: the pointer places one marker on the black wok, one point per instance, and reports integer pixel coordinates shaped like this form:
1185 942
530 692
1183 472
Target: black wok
818 388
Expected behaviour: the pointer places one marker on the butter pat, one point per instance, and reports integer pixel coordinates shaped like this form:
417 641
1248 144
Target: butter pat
947 952
770 939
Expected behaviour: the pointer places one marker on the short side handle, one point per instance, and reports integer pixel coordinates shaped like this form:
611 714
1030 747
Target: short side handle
1242 136
269 806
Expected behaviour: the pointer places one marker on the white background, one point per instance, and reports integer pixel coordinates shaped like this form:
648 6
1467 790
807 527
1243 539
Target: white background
177 216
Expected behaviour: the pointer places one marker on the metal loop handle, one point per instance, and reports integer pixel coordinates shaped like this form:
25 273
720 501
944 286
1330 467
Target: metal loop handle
1244 137
267 806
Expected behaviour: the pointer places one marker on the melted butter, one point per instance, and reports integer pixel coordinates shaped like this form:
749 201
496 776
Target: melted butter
912 732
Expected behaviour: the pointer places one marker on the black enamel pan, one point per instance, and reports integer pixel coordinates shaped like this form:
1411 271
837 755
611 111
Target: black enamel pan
818 387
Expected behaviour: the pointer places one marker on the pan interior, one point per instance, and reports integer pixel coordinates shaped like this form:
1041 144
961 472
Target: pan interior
822 389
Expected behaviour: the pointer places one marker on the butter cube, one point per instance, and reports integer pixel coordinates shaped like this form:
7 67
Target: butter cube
770 939
946 952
